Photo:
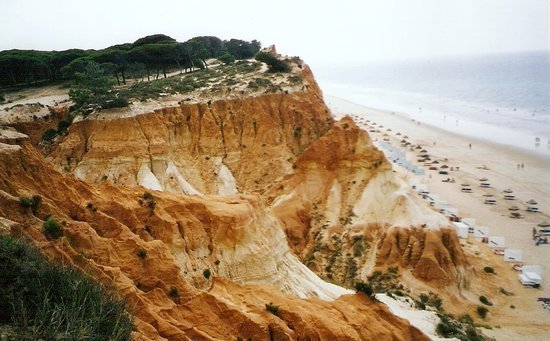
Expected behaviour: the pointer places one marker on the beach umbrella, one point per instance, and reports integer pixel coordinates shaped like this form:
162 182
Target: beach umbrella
444 167
532 202
488 195
513 208
508 190
423 151
436 162
418 147
385 134
406 136
465 185
483 179
544 224
398 133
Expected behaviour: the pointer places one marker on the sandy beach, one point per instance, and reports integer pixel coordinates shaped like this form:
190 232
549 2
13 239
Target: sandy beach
484 159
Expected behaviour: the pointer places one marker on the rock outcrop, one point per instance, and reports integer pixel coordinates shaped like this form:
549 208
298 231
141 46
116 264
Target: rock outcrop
345 211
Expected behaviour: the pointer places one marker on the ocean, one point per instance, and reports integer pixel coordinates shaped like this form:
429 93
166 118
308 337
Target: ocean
503 98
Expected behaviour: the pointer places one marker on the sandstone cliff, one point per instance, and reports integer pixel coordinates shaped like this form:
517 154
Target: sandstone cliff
201 213
153 249
345 212
218 147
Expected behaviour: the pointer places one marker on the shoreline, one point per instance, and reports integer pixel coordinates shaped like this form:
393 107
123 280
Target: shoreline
532 152
510 131
532 182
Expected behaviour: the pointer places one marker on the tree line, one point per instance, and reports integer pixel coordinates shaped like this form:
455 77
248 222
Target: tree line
150 56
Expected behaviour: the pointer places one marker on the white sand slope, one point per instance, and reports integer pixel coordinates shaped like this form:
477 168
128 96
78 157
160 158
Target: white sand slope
147 179
424 320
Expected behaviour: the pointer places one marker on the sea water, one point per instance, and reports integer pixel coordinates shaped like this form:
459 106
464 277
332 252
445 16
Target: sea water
503 98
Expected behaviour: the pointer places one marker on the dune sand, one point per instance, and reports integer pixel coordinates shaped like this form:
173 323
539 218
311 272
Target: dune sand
484 159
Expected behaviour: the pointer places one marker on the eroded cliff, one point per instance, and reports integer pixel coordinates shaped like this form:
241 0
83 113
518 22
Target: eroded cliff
153 248
346 212
201 213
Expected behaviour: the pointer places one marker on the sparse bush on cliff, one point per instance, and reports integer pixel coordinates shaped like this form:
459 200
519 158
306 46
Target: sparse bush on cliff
206 273
272 308
35 202
482 311
462 329
274 64
430 299
52 229
485 300
2 98
174 294
489 270
49 135
365 288
42 300
150 200
142 253
25 202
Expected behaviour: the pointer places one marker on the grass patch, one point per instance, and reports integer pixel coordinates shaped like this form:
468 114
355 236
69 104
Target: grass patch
52 229
31 203
42 300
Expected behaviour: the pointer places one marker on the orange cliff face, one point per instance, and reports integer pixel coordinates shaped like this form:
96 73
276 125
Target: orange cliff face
107 227
222 147
346 212
250 189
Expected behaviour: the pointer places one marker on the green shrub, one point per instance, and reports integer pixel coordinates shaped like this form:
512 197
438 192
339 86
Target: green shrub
274 64
489 270
49 135
484 300
365 288
482 311
2 98
42 300
466 318
206 273
272 308
174 292
36 201
142 253
25 202
226 58
52 229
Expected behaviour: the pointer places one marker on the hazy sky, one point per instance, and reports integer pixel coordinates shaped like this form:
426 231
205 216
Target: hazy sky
319 31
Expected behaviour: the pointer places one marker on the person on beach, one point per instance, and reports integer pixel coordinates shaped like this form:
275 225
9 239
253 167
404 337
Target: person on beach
470 145
522 166
534 233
